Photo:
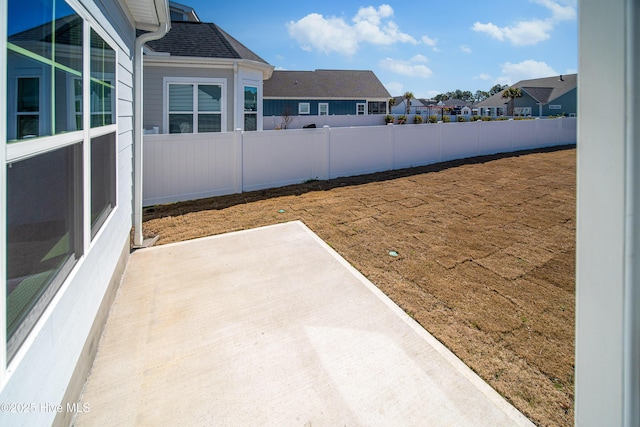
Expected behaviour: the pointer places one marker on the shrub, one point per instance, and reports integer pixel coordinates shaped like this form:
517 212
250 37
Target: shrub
461 119
446 119
486 119
417 119
402 119
502 118
433 119
475 118
388 118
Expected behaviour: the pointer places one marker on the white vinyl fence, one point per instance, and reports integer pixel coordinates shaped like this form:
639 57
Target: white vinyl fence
180 167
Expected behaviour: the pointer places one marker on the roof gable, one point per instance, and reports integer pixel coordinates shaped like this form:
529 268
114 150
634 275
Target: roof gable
202 40
358 84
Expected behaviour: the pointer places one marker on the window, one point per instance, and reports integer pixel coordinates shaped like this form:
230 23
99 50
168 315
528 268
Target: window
377 107
360 109
304 108
103 72
42 67
49 100
323 109
195 107
250 108
28 107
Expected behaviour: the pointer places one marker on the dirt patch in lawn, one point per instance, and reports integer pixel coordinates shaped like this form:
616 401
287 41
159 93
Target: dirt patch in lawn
486 257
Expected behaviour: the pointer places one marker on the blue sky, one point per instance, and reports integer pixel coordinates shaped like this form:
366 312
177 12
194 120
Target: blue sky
424 46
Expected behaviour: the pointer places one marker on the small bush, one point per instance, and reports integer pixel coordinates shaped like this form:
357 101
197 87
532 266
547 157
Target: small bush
461 119
433 119
486 119
502 118
446 119
475 118
417 119
402 119
388 118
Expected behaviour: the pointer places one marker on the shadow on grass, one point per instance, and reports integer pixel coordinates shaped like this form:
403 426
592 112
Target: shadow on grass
222 202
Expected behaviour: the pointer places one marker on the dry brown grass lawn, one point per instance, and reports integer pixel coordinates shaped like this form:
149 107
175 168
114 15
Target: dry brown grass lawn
486 257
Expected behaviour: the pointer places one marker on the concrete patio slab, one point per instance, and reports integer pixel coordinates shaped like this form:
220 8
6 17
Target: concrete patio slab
272 327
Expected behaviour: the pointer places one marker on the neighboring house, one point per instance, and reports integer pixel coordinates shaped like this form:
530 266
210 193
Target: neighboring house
324 92
417 105
68 83
200 79
540 97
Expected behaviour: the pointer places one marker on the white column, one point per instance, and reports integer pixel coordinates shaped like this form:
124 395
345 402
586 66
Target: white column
608 227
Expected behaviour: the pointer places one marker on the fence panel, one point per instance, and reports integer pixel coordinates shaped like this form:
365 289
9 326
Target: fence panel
277 158
459 140
187 167
357 151
416 145
494 137
524 134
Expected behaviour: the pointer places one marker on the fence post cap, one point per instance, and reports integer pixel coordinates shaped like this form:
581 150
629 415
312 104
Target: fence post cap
326 126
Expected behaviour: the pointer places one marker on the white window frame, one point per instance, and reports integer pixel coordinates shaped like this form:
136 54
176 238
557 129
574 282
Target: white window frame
362 105
194 81
304 108
24 149
324 105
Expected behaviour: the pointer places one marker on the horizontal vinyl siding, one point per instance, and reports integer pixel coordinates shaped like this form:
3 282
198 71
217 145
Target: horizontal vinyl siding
153 89
276 107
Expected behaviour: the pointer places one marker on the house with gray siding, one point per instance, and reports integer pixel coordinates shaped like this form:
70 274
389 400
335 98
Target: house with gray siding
549 96
324 92
198 79
68 87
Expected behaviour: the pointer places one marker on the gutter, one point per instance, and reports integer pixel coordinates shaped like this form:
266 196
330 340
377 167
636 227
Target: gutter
138 131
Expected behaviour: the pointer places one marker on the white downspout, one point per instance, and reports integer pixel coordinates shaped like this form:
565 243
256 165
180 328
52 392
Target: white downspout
236 107
138 127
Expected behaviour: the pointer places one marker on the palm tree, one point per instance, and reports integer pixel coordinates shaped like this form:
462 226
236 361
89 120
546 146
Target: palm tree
512 93
408 96
392 102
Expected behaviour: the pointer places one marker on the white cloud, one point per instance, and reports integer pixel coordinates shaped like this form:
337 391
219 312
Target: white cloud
332 34
529 69
429 41
482 76
394 88
464 48
405 68
534 31
419 58
280 68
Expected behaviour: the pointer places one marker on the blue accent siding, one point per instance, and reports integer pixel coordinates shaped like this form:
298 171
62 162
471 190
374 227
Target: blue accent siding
276 107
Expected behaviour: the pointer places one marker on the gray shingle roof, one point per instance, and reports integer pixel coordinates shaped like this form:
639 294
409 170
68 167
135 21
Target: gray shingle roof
202 40
360 84
542 90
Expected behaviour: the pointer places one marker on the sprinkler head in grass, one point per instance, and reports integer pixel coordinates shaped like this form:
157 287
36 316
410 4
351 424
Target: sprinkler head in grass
393 253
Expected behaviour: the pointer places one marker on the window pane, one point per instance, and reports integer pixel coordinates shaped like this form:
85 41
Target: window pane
103 179
250 98
209 98
28 126
209 123
44 40
103 75
28 94
180 123
250 122
44 234
180 97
